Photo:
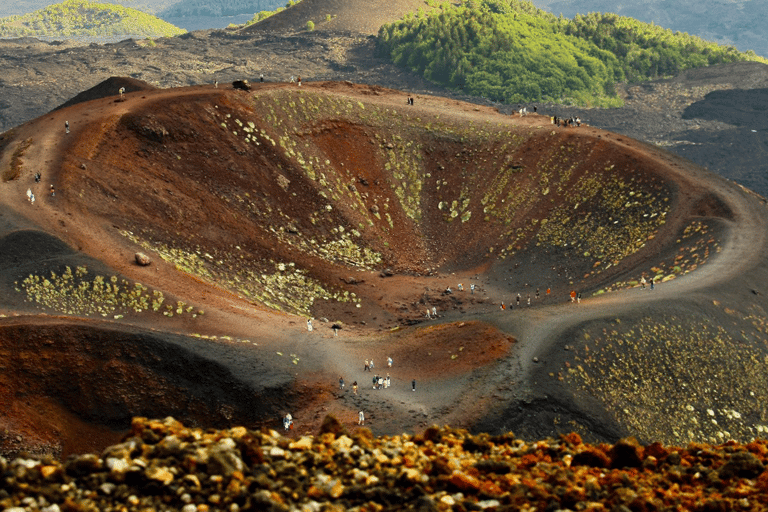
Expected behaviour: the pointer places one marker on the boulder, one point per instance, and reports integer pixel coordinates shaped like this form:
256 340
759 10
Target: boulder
142 259
243 85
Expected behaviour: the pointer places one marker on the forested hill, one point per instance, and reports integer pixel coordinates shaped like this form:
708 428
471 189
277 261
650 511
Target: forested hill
510 51
73 18
740 23
220 7
19 7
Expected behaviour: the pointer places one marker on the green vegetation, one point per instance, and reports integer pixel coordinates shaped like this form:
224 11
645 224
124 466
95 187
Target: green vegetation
310 25
510 51
649 51
85 18
75 293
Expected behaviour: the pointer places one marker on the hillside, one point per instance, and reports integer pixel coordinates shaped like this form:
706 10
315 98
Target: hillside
344 16
342 203
511 52
85 18
18 7
725 22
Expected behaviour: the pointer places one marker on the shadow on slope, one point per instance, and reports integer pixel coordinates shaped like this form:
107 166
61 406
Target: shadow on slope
107 88
72 386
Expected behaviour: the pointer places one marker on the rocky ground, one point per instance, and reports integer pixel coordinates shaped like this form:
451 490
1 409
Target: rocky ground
163 465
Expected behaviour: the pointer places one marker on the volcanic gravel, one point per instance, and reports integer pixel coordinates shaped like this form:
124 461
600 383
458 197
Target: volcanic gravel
161 465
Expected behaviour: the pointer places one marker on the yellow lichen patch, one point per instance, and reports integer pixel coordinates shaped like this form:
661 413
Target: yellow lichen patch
76 293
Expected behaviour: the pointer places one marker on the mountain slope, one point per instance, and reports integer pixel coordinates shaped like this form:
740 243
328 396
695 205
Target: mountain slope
85 18
344 16
735 22
512 52
18 7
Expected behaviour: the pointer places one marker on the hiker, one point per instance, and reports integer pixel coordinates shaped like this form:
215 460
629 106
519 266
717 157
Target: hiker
374 381
261 77
389 381
573 295
66 126
642 282
288 421
460 287
37 177
53 191
517 300
336 328
371 366
298 81
578 298
653 279
413 385
341 382
503 307
434 311
389 362
309 324
354 387
367 367
380 382
472 288
361 418
428 317
537 294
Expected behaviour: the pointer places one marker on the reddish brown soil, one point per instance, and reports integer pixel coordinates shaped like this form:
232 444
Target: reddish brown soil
154 163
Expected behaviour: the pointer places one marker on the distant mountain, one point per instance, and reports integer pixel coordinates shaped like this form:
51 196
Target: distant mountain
214 8
341 15
739 23
73 18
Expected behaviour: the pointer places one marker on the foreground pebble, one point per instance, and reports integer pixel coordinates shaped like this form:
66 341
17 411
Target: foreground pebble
162 465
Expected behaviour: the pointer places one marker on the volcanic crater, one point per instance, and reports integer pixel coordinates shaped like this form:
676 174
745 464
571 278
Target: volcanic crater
443 234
